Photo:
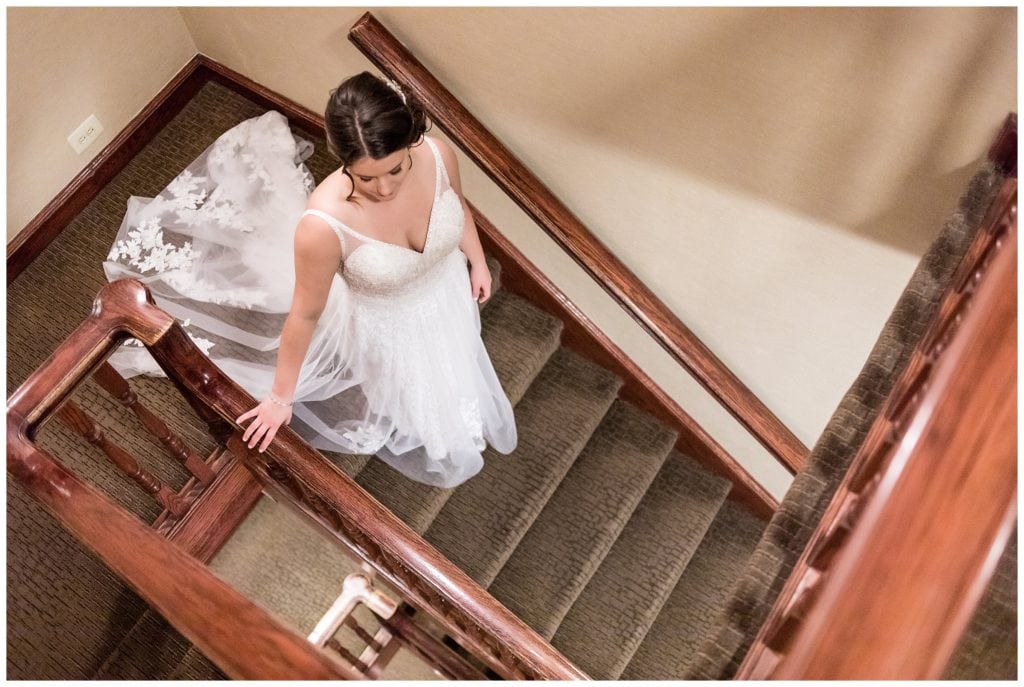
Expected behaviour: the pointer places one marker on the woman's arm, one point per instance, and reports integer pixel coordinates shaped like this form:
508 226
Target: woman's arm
317 255
470 243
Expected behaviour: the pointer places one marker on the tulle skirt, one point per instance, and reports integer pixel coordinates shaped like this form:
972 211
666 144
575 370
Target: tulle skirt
404 378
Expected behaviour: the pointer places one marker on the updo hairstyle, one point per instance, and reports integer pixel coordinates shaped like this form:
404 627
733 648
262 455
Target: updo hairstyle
366 117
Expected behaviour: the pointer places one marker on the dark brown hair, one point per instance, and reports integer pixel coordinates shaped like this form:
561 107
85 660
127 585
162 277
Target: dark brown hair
366 117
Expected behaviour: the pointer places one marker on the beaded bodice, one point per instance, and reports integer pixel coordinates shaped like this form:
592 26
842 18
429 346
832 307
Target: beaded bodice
377 268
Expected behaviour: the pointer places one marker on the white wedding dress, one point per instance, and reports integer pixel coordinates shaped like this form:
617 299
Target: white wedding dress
396 366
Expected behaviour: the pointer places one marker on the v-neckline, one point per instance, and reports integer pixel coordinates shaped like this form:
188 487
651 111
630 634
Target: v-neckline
430 216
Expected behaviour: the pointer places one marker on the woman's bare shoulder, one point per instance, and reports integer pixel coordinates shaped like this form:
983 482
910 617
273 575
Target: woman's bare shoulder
329 196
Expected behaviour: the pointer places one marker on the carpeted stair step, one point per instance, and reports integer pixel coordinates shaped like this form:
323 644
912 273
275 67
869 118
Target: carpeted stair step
412 502
351 464
988 648
693 607
574 531
485 518
279 561
519 338
621 601
151 650
196 666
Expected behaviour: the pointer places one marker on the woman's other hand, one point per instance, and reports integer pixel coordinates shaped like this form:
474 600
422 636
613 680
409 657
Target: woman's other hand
269 418
480 282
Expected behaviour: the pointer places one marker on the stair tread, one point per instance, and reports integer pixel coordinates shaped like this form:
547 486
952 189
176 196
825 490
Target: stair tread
495 267
579 524
289 568
196 666
519 338
151 650
693 606
414 503
350 463
486 517
620 602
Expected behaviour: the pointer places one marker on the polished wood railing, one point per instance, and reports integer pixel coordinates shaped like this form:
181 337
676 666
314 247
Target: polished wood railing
244 640
523 187
290 469
896 568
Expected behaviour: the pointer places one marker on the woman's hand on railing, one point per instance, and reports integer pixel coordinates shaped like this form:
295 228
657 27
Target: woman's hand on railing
269 418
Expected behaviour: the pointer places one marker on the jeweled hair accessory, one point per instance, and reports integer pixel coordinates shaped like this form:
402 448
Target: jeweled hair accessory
397 89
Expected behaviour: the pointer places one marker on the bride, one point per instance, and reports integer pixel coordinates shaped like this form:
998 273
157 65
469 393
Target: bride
380 350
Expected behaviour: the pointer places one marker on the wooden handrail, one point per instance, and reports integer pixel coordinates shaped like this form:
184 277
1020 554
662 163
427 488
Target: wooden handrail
243 640
897 566
125 308
523 187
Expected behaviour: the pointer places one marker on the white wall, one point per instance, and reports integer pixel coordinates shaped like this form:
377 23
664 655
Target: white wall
65 63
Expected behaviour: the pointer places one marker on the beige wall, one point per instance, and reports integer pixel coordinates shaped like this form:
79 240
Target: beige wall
65 63
772 174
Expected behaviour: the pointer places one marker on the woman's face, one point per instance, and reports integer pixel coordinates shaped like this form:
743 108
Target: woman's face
379 180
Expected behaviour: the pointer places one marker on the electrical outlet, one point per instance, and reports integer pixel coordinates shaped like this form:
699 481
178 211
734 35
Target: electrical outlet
85 134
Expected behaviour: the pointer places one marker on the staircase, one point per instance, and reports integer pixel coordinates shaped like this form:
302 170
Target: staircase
590 530
596 531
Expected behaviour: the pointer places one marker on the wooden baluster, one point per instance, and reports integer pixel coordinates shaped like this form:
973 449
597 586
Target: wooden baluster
377 659
336 646
360 631
117 386
79 421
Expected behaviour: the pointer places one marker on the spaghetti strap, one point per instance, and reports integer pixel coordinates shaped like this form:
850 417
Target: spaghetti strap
334 224
438 161
340 228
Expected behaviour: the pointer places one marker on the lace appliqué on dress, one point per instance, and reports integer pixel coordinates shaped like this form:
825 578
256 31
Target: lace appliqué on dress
367 439
469 408
160 256
145 248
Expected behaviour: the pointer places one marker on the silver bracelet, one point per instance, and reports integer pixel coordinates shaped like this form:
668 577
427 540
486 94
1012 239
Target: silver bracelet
277 402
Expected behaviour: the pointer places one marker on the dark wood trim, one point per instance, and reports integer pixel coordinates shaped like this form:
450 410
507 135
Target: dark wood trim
529 193
902 592
429 648
73 198
904 551
520 275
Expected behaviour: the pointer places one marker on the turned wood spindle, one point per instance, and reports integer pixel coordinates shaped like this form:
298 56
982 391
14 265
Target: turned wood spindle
78 420
360 631
336 646
117 386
